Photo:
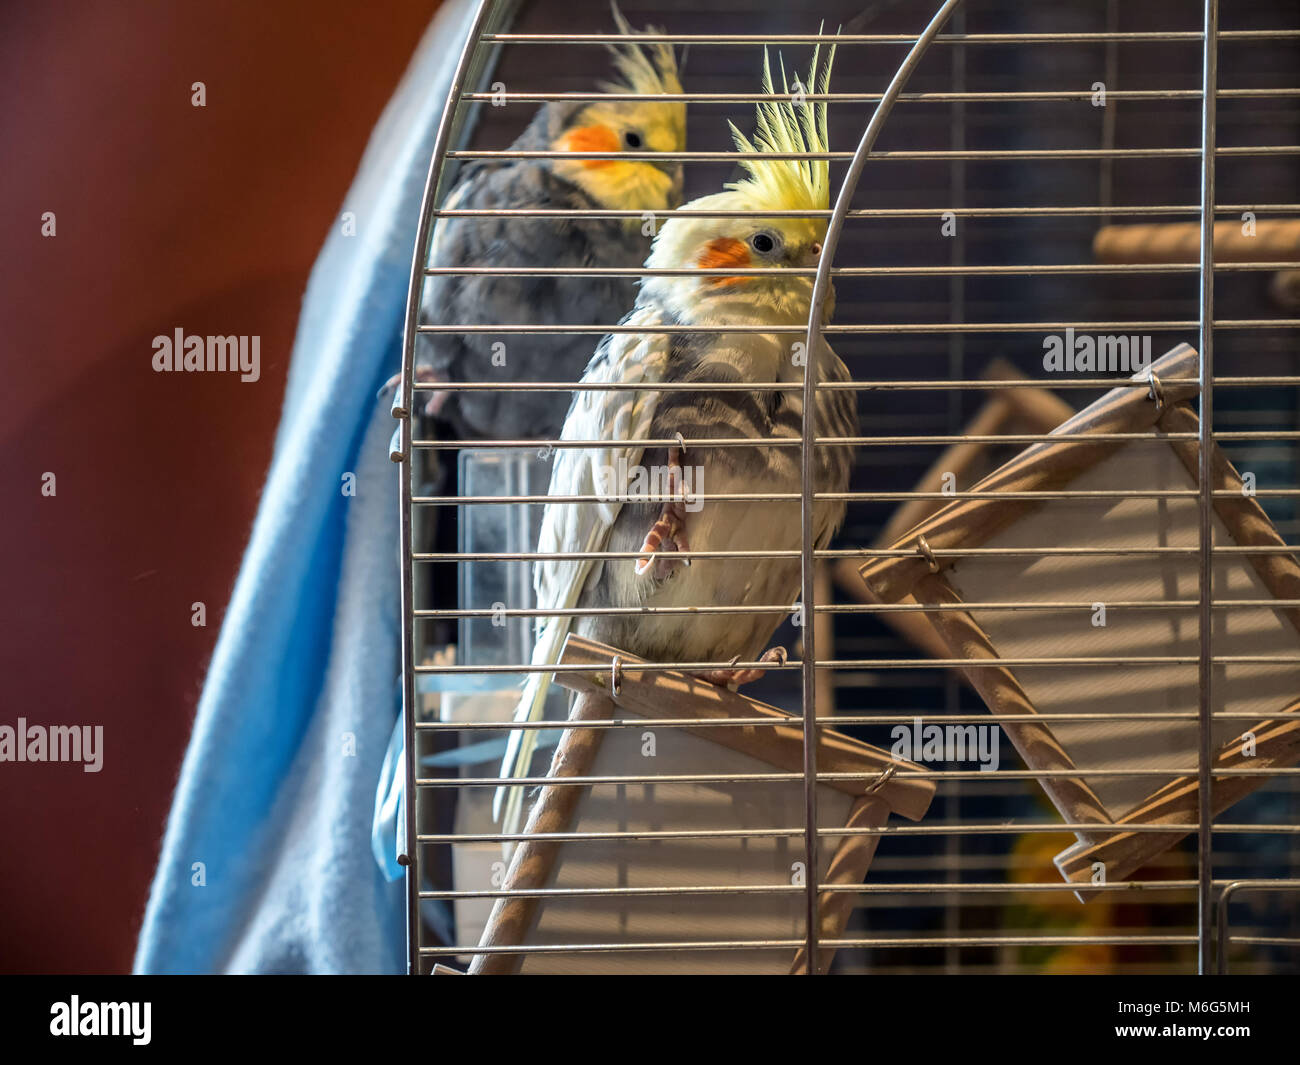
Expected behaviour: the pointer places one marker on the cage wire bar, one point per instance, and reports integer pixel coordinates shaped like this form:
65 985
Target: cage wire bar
808 589
402 454
1205 618
488 33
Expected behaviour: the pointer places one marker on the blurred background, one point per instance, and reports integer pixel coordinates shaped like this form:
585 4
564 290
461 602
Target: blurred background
167 215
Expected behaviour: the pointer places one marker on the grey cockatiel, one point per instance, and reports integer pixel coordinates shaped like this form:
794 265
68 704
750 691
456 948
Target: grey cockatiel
655 530
555 184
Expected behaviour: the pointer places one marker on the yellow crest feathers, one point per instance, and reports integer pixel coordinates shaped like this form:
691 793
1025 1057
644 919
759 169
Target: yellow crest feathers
643 68
787 126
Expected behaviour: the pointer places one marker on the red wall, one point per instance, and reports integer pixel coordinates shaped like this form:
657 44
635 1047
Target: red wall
167 215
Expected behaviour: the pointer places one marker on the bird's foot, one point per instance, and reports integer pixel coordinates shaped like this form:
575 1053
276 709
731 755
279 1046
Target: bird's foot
734 678
426 376
668 534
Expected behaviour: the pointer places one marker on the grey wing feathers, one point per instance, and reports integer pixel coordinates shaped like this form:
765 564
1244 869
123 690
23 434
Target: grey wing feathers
615 417
511 358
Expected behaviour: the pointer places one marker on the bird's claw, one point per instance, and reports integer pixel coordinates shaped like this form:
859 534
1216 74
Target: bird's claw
426 376
668 534
730 677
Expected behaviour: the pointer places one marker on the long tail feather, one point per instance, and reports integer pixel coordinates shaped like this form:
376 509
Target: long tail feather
507 802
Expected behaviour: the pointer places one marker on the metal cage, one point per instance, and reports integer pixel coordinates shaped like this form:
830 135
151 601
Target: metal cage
989 159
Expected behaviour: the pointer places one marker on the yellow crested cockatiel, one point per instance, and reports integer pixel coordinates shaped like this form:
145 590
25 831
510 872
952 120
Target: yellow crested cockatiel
559 184
658 531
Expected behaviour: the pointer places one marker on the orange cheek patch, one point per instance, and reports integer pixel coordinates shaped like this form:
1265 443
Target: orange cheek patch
591 139
724 254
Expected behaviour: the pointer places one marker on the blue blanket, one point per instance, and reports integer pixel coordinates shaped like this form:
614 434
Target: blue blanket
267 865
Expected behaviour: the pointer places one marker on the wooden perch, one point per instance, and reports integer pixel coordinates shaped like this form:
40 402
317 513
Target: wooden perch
1109 841
1180 242
878 783
533 860
1120 854
668 693
1025 410
824 630
1012 410
1045 466
1273 241
849 866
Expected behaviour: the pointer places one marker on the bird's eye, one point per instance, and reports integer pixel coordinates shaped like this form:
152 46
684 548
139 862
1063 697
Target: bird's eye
763 243
633 140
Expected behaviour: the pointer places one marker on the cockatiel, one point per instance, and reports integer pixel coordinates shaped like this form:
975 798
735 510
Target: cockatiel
555 184
656 530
